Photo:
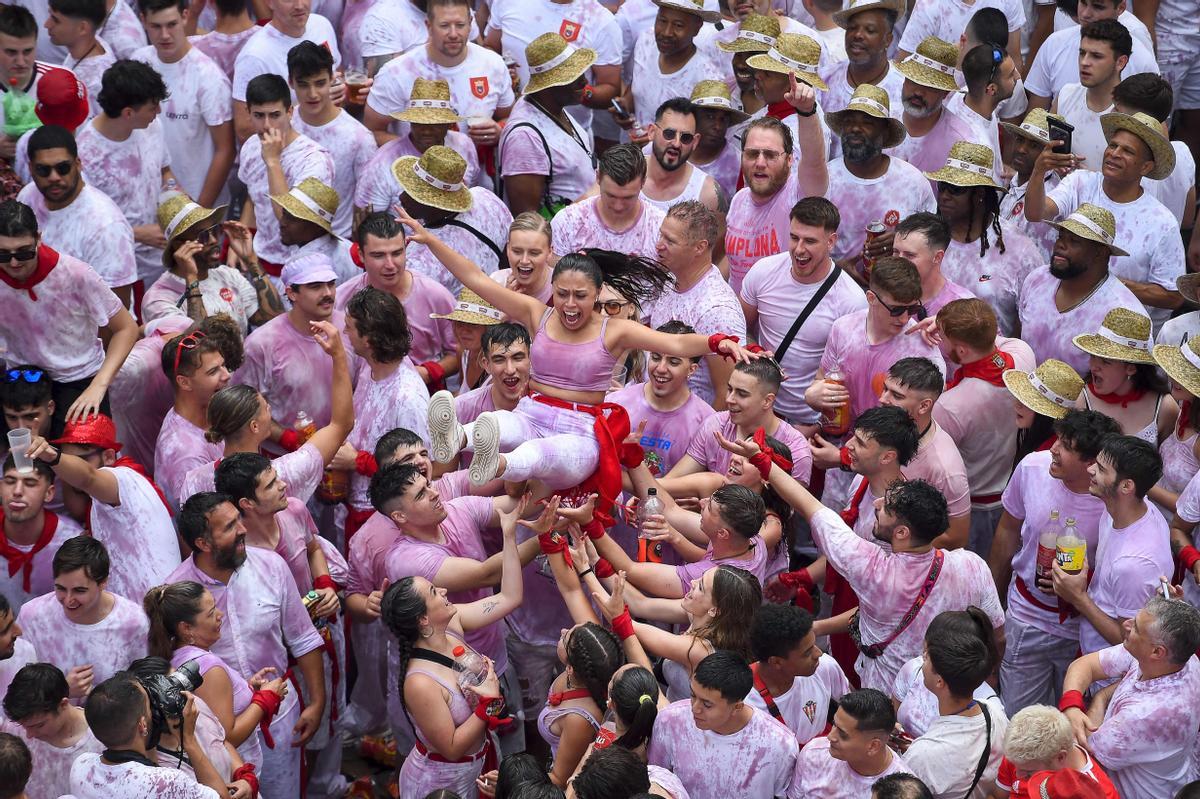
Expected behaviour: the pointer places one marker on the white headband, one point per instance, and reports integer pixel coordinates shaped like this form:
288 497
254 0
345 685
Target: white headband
482 310
1035 131
430 104
178 218
755 36
1049 393
435 182
790 62
869 103
925 61
969 167
1134 343
1190 355
311 204
717 100
567 52
1092 226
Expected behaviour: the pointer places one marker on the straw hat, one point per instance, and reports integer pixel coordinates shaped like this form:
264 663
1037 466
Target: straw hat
756 34
1125 336
693 7
842 18
311 200
792 52
933 65
1093 223
1182 363
429 104
471 309
872 101
554 62
715 94
179 215
1189 286
1035 125
1051 390
435 179
1149 130
968 164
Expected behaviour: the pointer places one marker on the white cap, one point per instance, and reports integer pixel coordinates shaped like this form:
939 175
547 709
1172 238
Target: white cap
315 268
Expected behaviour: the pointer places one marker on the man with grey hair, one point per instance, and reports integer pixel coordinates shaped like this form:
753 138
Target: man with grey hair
1039 738
701 297
1149 723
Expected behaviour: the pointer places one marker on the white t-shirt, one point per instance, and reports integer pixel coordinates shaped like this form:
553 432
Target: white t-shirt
351 146
652 87
51 775
1087 139
391 26
571 167
805 706
984 130
1057 62
92 779
90 70
267 50
1172 191
900 191
919 707
225 290
92 229
947 756
1137 28
301 159
995 277
820 774
947 19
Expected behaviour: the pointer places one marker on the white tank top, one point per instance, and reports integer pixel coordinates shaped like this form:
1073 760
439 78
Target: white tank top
691 191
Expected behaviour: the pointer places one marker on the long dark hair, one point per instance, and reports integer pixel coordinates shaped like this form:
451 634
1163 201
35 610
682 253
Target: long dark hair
991 218
1034 438
775 503
1145 377
736 593
636 714
635 278
401 611
594 653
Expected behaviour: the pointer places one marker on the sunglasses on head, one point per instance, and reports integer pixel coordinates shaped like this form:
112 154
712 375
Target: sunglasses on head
26 254
188 342
684 138
916 309
26 375
63 168
997 60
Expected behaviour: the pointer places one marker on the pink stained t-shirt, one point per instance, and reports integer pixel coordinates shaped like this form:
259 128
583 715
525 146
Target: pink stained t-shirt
939 463
41 573
181 447
949 292
865 365
138 534
977 416
351 146
51 777
296 530
919 706
378 189
928 153
522 152
709 454
1129 562
995 278
757 227
223 48
92 778
468 406
368 551
819 773
431 338
668 433
900 191
290 370
488 215
23 654
141 395
579 226
301 470
108 645
301 159
397 400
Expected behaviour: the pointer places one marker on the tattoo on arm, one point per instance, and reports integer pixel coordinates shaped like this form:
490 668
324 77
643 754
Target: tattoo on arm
489 606
722 198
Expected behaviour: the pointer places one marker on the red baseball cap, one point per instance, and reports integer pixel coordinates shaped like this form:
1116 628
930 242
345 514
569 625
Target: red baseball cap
1065 783
62 99
96 430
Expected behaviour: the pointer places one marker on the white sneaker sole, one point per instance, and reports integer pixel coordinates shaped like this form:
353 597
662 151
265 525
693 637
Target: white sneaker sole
485 461
445 433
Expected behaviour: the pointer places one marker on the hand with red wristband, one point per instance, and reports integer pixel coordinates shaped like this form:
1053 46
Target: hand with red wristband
365 464
1072 704
614 608
1189 556
269 699
329 604
244 774
434 372
290 440
491 701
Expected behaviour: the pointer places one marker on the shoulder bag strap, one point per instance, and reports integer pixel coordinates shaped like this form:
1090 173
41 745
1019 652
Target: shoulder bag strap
811 306
501 257
434 657
987 750
935 570
769 700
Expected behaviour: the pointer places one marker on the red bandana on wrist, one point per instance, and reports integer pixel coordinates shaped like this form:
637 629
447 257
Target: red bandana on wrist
47 259
1120 399
990 369
20 560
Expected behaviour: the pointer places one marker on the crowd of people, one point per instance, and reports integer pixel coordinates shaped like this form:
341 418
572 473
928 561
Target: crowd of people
709 399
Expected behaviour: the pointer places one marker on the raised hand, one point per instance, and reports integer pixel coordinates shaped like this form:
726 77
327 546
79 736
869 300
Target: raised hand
800 95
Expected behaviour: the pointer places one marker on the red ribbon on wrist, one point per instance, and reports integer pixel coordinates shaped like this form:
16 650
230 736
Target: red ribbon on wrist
290 440
798 579
435 370
493 722
325 581
1188 557
553 543
766 456
603 569
1072 699
364 464
623 625
714 344
594 530
632 455
269 701
246 772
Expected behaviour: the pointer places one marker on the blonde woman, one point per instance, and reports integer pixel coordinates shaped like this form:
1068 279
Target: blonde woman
529 256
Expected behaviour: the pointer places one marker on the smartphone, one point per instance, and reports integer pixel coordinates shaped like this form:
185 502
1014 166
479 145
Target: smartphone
1060 130
620 109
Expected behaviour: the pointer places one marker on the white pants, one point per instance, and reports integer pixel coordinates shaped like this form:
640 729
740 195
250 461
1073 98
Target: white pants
554 445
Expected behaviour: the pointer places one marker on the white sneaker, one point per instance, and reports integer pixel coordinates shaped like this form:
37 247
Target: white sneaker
485 461
445 433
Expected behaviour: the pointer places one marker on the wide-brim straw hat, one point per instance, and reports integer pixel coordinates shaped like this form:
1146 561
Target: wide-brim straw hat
471 309
1051 390
1149 130
1182 363
968 164
179 215
842 18
715 94
873 101
757 33
933 64
792 52
311 200
1189 286
1093 223
1125 336
429 104
553 61
693 7
435 179
1034 126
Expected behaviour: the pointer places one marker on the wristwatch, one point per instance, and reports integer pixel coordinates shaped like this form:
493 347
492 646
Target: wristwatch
57 457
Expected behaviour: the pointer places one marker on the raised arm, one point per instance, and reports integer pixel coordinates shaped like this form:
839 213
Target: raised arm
625 334
341 421
812 174
99 484
123 335
493 608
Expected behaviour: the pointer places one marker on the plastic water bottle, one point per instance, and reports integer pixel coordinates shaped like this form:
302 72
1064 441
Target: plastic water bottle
650 506
472 669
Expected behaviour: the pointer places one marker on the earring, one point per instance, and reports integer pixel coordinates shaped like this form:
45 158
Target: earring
426 632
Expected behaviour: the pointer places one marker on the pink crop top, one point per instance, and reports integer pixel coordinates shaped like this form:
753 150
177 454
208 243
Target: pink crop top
572 367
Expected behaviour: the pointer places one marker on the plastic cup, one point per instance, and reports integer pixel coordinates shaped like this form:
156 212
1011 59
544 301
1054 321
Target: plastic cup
355 79
478 121
18 444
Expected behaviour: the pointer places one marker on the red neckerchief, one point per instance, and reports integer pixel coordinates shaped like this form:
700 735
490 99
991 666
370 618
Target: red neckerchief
780 110
850 513
1185 415
989 368
130 463
21 560
47 259
1048 443
1121 399
557 698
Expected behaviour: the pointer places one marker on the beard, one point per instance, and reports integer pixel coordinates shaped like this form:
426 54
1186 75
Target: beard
660 156
232 557
857 150
919 111
1067 272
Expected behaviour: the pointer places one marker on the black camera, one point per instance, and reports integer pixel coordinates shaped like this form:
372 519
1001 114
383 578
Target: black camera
166 696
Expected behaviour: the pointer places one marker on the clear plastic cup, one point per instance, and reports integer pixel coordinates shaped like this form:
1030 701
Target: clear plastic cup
18 444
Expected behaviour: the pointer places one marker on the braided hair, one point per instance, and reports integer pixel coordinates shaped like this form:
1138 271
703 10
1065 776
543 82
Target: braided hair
991 218
594 653
635 278
401 611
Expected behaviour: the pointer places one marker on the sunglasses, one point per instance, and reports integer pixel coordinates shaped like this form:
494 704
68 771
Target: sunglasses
26 375
684 138
916 309
27 254
612 307
63 168
188 342
209 233
997 60
770 156
950 188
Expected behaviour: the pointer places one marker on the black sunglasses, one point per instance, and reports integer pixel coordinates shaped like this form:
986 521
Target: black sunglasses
916 309
684 138
63 168
21 255
953 189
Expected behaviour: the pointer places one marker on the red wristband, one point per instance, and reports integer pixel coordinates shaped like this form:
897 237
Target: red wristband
623 625
290 440
594 529
1188 557
246 772
603 569
269 701
553 543
714 343
1072 699
632 455
798 579
364 464
763 462
435 370
494 722
325 581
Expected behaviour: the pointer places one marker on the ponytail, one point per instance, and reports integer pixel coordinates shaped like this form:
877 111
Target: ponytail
635 278
634 698
167 606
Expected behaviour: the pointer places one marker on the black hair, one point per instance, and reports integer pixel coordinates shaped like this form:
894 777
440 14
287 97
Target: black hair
676 328
230 7
380 319
19 23
891 427
82 552
872 710
130 84
267 89
16 766
611 773
114 707
308 59
633 277
622 163
40 466
17 218
50 137
1146 92
775 126
1084 431
989 26
537 790
1135 459
148 7
991 219
390 483
920 507
816 212
92 11
680 105
20 393
772 502
5 605
36 688
1111 31
168 606
442 793
237 475
1146 377
777 630
187 357
381 225
193 515
392 440
150 666
516 770
932 227
741 509
594 653
401 612
979 67
505 334
765 370
635 712
918 374
727 673
900 786
961 649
